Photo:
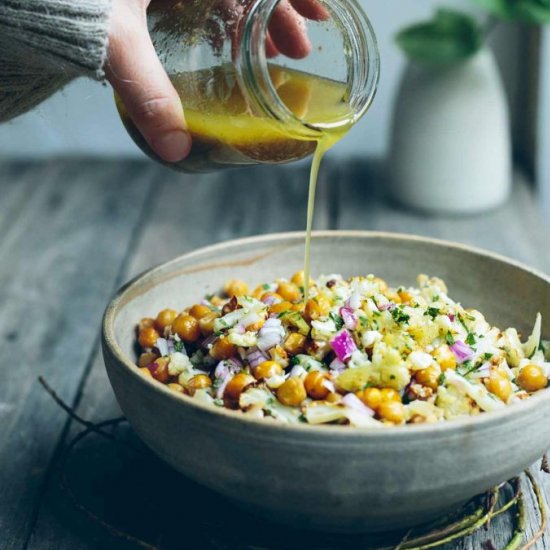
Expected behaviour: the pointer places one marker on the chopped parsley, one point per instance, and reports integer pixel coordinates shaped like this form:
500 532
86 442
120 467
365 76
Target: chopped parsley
466 368
432 312
338 321
179 346
449 338
265 286
294 361
471 339
399 316
487 356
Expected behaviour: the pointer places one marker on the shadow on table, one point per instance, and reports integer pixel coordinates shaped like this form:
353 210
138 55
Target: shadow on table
120 492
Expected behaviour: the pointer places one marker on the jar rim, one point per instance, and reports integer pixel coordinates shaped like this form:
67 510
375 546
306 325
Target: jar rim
364 57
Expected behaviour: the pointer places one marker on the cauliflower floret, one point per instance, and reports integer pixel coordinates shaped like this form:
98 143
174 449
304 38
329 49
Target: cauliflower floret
245 340
179 363
323 330
453 403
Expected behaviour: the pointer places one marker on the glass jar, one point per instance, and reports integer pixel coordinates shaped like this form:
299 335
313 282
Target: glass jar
243 107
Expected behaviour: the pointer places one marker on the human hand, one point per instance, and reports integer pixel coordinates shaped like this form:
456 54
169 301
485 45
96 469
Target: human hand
136 73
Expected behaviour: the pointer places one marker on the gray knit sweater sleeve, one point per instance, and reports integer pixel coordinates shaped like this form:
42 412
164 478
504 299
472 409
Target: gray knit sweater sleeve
44 44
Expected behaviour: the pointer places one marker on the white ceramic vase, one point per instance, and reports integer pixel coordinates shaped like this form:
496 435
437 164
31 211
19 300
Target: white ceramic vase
450 146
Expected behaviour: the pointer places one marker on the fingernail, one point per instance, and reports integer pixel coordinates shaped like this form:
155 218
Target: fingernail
173 146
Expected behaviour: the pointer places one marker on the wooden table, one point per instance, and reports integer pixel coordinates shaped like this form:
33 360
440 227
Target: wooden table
71 232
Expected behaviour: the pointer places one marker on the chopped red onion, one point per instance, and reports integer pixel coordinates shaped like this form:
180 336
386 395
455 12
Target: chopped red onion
354 301
256 356
221 388
353 402
337 365
208 341
221 370
234 364
249 319
343 345
451 316
270 300
153 367
463 352
271 334
349 318
297 370
390 306
162 345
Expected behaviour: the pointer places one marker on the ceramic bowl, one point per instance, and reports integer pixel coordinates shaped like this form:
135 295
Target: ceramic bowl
332 477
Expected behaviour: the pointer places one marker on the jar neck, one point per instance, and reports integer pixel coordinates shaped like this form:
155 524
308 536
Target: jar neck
360 50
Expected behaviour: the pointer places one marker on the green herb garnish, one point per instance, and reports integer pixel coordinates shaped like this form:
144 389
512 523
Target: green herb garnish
338 321
432 312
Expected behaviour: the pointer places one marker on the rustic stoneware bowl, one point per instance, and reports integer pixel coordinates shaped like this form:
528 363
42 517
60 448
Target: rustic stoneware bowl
332 478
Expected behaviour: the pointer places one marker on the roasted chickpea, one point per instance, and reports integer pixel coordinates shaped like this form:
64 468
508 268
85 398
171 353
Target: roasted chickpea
255 327
146 372
314 384
206 323
371 397
532 378
186 327
222 349
176 387
289 291
299 278
392 411
159 369
390 395
236 386
445 358
333 397
198 382
258 291
406 297
382 285
280 307
500 386
392 296
292 393
198 311
235 287
146 322
164 319
267 369
294 343
428 377
271 296
146 359
148 337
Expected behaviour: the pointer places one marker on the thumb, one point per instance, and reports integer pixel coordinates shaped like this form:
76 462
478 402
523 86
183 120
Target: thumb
136 73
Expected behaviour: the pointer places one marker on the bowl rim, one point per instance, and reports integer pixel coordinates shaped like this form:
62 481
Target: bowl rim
443 428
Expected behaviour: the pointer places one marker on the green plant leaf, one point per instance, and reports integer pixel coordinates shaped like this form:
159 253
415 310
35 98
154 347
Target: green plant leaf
449 37
533 11
500 8
530 11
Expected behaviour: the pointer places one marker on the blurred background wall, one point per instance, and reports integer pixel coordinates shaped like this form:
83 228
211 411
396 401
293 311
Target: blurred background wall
82 119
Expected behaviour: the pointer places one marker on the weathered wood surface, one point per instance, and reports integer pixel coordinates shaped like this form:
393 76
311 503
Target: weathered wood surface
72 231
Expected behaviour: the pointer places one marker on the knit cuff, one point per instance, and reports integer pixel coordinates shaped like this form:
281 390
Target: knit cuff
66 35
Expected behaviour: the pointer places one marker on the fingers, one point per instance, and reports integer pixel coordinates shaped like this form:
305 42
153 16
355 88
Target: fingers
311 9
136 73
288 31
270 48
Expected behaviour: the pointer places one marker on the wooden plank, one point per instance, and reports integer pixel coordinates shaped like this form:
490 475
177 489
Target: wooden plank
516 229
62 254
184 213
139 494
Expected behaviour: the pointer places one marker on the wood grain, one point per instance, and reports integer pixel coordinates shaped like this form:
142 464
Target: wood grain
157 214
61 256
